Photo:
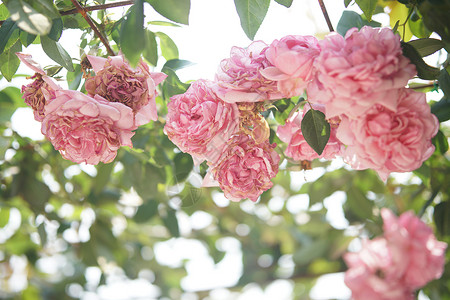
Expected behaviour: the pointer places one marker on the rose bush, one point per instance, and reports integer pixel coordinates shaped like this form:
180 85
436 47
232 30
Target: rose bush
87 129
116 81
356 72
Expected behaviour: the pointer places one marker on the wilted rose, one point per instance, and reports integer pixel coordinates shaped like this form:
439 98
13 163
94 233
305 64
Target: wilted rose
200 123
116 81
41 91
298 148
244 169
358 71
390 141
292 58
86 129
239 77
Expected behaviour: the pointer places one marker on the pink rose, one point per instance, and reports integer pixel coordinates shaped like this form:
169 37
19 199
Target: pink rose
199 122
373 273
116 81
389 141
358 71
292 58
419 256
239 78
298 148
41 91
86 129
245 168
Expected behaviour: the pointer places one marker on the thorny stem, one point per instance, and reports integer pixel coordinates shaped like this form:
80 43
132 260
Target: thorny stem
74 11
88 19
325 14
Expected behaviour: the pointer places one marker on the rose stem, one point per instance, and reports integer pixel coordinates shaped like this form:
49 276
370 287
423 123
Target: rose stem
325 14
88 19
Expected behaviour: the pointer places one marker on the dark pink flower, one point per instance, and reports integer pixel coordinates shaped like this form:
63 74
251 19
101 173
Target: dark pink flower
244 169
86 129
116 81
239 77
200 123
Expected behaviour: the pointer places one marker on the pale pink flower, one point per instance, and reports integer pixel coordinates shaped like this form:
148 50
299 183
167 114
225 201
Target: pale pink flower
86 129
419 257
116 81
41 91
239 78
244 169
373 273
199 122
292 58
390 141
358 71
298 148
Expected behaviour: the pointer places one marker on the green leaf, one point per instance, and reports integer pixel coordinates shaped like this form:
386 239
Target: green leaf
347 3
175 10
350 19
26 38
307 253
177 64
251 14
286 3
163 23
426 46
56 31
11 99
52 71
150 52
56 52
74 78
9 62
168 48
440 142
368 7
358 203
146 211
4 13
171 222
172 85
6 30
132 34
4 142
424 71
441 109
444 82
36 194
4 214
316 130
442 217
183 166
46 7
418 28
28 18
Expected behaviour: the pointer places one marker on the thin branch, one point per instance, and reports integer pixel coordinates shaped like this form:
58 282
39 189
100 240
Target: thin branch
325 14
74 11
88 19
422 86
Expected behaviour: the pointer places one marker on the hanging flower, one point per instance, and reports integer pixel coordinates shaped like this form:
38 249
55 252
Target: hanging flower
292 58
390 141
116 81
87 129
200 123
358 71
41 91
244 169
239 77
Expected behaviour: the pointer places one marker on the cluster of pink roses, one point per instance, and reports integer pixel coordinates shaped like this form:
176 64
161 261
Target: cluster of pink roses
91 128
358 81
392 267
